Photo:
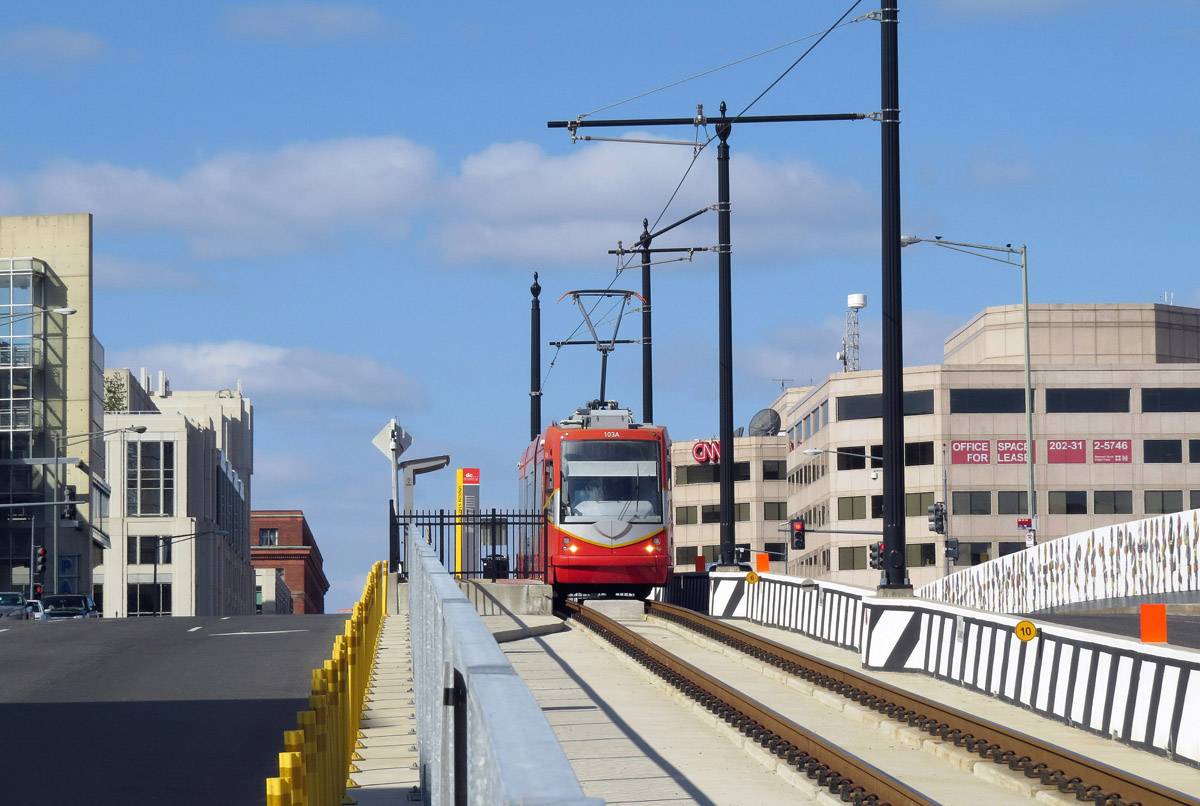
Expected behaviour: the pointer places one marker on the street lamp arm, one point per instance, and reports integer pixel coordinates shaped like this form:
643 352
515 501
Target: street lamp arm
959 246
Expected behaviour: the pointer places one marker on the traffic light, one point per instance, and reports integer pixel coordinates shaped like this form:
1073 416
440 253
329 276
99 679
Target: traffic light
877 556
951 548
39 560
37 591
937 517
797 533
68 510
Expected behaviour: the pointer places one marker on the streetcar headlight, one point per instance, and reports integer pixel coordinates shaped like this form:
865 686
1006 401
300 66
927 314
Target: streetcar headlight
649 547
573 548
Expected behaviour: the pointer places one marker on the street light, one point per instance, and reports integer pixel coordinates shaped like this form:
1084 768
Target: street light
171 539
60 445
1009 250
874 459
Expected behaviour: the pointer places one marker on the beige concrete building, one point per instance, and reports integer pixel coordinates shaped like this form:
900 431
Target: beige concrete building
181 542
760 494
1116 421
50 405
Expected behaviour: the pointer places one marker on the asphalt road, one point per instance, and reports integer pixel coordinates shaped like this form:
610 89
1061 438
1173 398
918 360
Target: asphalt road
1182 630
181 711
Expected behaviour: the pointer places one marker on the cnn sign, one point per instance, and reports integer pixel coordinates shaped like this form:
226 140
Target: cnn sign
704 452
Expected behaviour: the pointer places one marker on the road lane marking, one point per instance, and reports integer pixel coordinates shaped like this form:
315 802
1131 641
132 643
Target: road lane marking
193 629
262 632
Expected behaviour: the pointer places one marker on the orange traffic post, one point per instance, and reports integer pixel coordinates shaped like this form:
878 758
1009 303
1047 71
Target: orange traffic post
1154 623
762 562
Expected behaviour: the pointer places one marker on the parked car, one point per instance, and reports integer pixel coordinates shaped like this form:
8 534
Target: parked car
69 605
36 611
14 606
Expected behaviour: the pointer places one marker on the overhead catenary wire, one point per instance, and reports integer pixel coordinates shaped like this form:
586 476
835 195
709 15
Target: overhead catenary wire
701 146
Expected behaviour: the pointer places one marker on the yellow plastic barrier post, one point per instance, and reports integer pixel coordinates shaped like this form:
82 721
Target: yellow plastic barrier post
312 765
278 793
291 769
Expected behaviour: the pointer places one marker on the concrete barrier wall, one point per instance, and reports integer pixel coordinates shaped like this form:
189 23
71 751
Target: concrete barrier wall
481 736
1153 556
1139 694
822 610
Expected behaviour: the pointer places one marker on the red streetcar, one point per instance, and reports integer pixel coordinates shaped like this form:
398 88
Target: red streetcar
602 481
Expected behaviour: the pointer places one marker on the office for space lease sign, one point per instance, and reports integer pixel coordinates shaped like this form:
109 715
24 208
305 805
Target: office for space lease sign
971 452
1112 451
1066 451
1012 451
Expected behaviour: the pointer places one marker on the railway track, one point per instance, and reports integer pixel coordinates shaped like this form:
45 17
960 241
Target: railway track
842 773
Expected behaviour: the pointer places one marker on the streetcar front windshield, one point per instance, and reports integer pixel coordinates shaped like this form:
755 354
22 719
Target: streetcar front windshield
611 479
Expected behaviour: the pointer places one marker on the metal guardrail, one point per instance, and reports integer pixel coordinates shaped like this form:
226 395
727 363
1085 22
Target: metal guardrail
481 736
315 767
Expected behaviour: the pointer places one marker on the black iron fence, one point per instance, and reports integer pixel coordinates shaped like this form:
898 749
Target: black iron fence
491 544
690 590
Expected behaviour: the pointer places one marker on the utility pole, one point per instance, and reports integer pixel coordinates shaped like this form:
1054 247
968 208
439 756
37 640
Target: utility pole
895 575
535 361
647 349
724 126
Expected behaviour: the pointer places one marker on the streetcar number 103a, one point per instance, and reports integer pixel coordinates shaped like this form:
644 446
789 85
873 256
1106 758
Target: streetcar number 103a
612 433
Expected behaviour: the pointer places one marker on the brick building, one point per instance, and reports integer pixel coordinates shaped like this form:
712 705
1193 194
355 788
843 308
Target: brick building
281 539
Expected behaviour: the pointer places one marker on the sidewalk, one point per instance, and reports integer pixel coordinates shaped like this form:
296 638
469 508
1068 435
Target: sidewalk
389 771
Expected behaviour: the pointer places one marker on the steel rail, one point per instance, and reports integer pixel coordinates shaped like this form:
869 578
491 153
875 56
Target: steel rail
1087 778
840 772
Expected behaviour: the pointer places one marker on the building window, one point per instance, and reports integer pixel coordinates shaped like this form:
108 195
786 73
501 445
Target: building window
869 407
1008 547
1082 401
710 513
1068 502
141 549
1194 495
987 401
918 453
150 478
1163 502
1012 502
916 505
685 516
776 551
258 600
853 457
686 555
1162 451
877 506
852 558
712 553
709 474
1112 502
141 601
268 537
775 511
1168 399
852 507
919 555
1194 450
741 513
774 470
973 553
971 502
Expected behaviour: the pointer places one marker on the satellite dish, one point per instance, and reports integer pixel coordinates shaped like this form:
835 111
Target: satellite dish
765 424
737 432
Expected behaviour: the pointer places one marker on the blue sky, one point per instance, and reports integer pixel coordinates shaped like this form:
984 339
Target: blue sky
341 205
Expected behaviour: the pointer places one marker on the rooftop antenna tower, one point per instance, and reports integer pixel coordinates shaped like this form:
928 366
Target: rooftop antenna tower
849 354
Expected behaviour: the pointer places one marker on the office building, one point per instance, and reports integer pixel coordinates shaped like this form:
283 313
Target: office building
53 492
282 540
1116 415
181 542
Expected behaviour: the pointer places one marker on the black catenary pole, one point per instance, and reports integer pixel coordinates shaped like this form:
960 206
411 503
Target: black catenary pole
895 574
725 337
647 350
535 361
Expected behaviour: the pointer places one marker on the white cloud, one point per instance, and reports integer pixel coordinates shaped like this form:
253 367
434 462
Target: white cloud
46 48
513 202
113 272
287 377
965 8
304 21
247 204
